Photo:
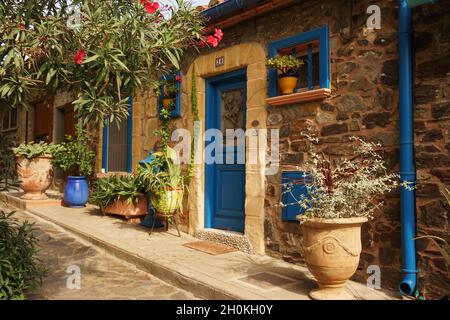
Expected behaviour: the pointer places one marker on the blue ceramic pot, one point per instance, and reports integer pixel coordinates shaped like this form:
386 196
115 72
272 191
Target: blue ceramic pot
76 193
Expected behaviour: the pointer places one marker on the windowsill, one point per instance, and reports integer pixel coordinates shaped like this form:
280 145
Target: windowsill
310 95
112 173
9 130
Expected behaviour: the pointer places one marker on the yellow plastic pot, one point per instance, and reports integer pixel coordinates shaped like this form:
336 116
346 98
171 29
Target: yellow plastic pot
287 84
168 202
167 102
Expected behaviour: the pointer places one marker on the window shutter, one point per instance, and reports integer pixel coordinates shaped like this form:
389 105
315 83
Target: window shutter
292 178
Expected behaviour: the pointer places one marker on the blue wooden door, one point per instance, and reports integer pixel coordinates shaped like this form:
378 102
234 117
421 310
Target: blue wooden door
225 180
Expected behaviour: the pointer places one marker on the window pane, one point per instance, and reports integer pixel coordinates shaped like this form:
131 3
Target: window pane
5 123
232 110
118 147
303 77
13 122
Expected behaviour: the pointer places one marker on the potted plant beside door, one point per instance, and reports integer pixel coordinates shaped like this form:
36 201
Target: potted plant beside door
163 179
342 194
34 169
288 67
169 92
75 158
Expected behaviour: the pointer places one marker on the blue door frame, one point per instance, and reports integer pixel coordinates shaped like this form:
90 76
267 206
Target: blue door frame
105 144
224 183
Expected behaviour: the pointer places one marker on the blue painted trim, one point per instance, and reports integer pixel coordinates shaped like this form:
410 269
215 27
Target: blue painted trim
228 8
105 142
310 68
105 146
320 34
176 112
210 122
407 170
130 137
289 213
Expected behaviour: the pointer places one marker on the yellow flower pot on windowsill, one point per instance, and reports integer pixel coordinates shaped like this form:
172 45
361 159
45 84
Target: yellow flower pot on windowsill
287 83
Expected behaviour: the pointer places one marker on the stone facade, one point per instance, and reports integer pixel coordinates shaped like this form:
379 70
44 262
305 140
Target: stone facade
364 103
432 138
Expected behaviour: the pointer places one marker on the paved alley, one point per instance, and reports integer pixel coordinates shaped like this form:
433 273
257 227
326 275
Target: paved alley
101 275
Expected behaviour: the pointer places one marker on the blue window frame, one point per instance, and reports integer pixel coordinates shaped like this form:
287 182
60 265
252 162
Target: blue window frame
176 112
292 178
317 37
129 146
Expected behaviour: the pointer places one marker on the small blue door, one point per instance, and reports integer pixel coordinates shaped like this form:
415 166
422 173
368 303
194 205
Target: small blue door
225 180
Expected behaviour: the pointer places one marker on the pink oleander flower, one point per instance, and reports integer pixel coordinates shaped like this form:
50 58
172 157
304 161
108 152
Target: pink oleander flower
212 41
218 34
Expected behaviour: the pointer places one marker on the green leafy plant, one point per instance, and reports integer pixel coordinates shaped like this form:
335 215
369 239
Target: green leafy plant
344 187
20 269
117 48
114 188
33 150
285 64
74 156
163 173
194 108
164 131
169 88
8 172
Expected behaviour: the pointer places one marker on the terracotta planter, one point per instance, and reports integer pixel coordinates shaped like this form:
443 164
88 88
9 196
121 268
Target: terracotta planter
167 102
332 249
131 211
36 176
168 202
287 83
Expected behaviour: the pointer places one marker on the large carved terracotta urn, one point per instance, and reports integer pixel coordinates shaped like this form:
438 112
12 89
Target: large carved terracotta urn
35 176
332 248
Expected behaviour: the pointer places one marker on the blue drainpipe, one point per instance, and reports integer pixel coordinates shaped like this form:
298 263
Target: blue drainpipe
407 172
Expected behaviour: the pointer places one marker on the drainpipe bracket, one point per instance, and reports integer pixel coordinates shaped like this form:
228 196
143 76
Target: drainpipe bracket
410 270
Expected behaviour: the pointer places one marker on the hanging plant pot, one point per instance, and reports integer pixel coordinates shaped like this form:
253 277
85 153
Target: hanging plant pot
36 176
168 202
76 192
168 102
332 248
288 82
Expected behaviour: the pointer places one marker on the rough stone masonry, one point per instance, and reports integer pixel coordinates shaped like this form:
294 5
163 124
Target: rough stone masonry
364 103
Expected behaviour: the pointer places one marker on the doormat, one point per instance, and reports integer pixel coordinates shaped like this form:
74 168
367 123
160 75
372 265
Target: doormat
209 247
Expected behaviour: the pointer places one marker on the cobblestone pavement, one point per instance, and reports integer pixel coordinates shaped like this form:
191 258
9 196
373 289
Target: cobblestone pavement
102 275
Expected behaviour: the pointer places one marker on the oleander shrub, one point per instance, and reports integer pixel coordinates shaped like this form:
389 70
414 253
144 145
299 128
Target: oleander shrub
20 269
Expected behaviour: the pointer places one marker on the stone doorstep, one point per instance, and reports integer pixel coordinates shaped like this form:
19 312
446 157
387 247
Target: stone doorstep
13 198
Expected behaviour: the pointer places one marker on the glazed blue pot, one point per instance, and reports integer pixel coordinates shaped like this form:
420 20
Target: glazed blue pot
76 193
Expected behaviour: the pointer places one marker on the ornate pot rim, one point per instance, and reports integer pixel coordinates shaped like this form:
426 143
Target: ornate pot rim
44 156
318 222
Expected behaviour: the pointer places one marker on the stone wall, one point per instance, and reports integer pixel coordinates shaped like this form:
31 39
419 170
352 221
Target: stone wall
432 138
364 103
17 136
